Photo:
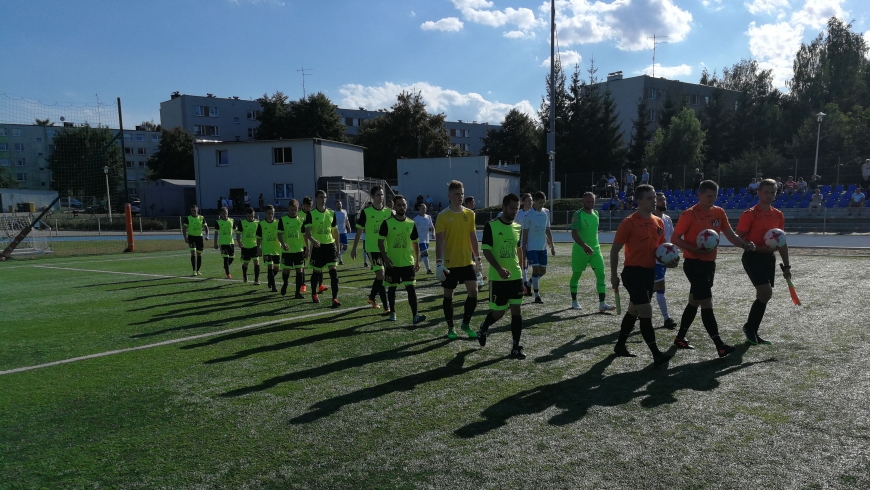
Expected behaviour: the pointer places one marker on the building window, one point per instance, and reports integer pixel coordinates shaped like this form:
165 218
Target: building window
39 155
22 177
39 140
20 162
129 164
128 137
155 139
128 150
131 178
660 94
141 164
143 178
200 110
254 115
282 155
284 191
18 146
252 132
140 137
4 146
651 94
4 162
652 115
213 112
348 121
235 120
2 131
222 158
206 130
16 132
696 100
141 151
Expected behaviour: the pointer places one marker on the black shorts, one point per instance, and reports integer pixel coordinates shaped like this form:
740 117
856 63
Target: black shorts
376 262
502 294
457 275
228 250
400 276
323 256
272 259
700 274
639 282
292 260
249 253
195 242
760 267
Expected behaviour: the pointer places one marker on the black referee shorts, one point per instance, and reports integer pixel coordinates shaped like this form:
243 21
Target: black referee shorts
700 274
639 282
760 267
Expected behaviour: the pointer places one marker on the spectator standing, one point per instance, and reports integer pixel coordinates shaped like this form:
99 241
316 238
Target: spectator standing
247 201
815 182
778 186
666 180
857 201
628 180
697 177
865 173
601 187
644 177
753 186
261 203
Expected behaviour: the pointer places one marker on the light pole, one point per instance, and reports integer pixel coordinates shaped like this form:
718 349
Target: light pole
449 164
552 177
108 194
819 117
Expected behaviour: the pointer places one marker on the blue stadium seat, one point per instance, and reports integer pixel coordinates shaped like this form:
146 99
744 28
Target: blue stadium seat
605 207
839 189
826 189
688 193
742 191
730 205
851 188
622 194
668 193
843 203
721 191
804 204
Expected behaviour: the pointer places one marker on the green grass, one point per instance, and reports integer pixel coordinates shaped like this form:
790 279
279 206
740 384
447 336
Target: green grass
348 400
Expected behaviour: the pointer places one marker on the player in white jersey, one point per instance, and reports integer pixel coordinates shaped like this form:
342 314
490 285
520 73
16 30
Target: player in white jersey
660 269
536 237
425 229
343 228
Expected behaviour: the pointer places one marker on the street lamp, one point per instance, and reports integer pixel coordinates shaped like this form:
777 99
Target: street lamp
819 117
108 194
449 164
552 177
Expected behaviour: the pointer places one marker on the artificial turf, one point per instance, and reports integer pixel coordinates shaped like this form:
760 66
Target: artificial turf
314 398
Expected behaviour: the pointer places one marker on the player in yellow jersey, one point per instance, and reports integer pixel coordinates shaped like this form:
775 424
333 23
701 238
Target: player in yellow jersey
457 251
292 238
246 234
321 231
193 230
223 239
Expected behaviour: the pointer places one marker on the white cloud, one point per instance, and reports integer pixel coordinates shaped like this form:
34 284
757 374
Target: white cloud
479 12
672 72
448 24
715 5
815 13
519 34
412 14
468 107
766 6
774 46
568 59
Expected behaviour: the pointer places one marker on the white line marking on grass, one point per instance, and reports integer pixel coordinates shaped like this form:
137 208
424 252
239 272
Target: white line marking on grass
176 341
99 260
191 278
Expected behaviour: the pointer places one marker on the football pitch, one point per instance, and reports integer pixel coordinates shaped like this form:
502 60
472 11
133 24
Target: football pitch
124 372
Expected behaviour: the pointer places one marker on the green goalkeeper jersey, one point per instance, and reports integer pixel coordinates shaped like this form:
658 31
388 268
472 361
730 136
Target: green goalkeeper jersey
586 225
502 239
268 233
321 224
248 231
291 229
225 231
398 235
195 225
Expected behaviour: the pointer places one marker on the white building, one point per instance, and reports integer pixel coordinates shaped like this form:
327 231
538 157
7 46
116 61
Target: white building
488 184
280 170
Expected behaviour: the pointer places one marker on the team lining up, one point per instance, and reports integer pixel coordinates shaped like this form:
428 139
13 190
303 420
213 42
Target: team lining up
512 243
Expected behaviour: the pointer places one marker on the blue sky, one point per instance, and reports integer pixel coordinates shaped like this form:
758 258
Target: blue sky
471 59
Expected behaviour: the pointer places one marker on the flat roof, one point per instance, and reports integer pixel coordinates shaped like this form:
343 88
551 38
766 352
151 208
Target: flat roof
212 142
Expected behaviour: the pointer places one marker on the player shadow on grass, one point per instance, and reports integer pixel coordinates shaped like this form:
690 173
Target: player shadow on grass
332 405
176 293
575 345
401 352
575 396
138 283
233 302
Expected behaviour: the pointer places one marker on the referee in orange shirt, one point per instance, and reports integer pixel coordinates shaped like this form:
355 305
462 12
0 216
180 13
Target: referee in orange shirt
760 265
640 233
700 264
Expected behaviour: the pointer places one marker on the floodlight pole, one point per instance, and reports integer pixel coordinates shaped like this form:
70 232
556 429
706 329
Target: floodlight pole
819 117
449 165
551 137
108 194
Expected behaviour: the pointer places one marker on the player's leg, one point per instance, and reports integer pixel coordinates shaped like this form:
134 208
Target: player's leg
470 300
391 301
659 289
286 267
256 270
517 330
225 258
579 261
424 256
275 268
270 275
692 271
300 280
192 255
596 261
244 267
231 255
499 302
704 295
449 286
304 253
333 272
411 289
761 269
638 282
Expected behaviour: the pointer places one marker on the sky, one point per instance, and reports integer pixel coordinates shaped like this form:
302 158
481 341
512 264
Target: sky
470 59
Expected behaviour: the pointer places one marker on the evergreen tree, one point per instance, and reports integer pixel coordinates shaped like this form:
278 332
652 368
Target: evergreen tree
174 157
516 141
640 134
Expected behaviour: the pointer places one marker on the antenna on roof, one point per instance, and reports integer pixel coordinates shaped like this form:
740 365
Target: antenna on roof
303 71
656 42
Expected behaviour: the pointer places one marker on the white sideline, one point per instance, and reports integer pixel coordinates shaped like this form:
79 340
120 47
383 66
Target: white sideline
164 276
175 341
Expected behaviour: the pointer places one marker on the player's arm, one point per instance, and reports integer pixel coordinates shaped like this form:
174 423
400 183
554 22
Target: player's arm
184 231
416 247
737 241
440 240
575 235
217 232
259 235
614 264
205 228
786 267
549 234
284 246
382 248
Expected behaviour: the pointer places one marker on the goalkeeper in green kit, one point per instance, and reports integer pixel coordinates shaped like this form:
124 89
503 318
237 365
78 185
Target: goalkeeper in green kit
587 252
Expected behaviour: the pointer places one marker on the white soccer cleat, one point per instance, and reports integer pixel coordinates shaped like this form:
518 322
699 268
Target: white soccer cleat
602 307
575 305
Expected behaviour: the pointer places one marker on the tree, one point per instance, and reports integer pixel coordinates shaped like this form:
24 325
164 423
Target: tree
640 134
7 181
314 116
529 176
673 105
716 121
150 126
174 157
406 130
680 145
78 159
517 141
44 122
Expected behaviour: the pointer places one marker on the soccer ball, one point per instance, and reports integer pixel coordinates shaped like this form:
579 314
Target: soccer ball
667 252
707 239
774 238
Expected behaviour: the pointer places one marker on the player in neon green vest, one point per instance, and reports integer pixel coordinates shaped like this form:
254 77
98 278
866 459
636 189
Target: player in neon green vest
223 239
192 230
246 234
292 238
502 247
587 252
369 222
269 246
398 244
321 231
303 213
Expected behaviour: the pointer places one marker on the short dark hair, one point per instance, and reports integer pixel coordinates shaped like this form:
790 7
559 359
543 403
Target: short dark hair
306 200
539 195
660 194
249 210
509 199
642 189
454 184
708 185
269 207
524 196
223 208
320 193
469 198
292 201
767 182
399 196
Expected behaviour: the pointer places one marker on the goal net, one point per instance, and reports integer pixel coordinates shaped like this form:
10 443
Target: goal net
38 241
